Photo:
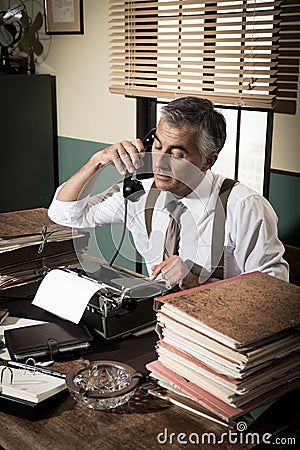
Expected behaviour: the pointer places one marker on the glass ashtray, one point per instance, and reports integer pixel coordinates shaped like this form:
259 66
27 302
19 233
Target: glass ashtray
102 384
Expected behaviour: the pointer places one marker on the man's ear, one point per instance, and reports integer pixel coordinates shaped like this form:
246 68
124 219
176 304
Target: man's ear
210 160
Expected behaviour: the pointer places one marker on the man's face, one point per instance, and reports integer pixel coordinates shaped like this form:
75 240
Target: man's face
177 164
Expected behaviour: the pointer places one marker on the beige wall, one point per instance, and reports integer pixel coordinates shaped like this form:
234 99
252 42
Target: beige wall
86 110
286 140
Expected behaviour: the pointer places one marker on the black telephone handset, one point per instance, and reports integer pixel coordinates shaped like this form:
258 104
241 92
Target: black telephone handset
133 189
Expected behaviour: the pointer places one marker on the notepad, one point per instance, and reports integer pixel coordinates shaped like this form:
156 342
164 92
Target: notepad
31 386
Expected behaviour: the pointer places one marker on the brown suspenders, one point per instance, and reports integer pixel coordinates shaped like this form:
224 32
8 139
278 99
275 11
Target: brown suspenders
218 233
149 206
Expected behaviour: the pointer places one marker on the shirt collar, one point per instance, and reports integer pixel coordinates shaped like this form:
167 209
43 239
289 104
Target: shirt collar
202 199
203 193
204 189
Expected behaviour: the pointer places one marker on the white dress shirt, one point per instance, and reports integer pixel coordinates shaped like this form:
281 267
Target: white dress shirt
251 241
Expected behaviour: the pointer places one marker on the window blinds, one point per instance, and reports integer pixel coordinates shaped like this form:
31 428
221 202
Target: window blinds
224 50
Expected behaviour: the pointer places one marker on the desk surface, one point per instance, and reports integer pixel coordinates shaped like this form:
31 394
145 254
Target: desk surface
142 423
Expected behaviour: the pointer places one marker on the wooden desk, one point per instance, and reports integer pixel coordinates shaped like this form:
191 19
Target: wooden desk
138 424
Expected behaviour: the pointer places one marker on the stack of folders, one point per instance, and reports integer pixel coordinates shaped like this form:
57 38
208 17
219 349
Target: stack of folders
30 244
229 347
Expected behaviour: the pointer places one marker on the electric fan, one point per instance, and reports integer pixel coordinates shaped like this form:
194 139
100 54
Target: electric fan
10 34
29 42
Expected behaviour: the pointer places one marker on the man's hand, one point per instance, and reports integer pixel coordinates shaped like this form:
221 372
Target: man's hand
125 155
175 271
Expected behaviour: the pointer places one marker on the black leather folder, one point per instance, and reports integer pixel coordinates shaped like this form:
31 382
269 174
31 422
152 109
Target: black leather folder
48 341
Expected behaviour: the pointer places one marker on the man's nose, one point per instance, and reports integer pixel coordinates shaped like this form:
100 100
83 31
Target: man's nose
162 160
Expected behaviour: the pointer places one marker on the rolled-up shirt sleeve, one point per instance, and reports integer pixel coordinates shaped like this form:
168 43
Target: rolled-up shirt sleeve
88 212
257 243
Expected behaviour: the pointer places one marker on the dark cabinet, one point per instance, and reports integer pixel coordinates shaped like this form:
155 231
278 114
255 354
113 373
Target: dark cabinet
28 141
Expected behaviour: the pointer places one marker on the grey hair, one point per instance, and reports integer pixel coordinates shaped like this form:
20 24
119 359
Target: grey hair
198 113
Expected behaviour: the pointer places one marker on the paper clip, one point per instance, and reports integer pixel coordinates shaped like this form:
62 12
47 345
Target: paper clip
44 235
30 367
11 374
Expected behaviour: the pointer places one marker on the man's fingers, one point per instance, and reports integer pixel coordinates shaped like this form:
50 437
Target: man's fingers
175 271
171 270
127 157
160 268
156 270
137 153
133 152
115 158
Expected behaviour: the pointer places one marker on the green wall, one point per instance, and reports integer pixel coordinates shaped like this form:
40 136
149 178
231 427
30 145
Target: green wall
72 154
284 196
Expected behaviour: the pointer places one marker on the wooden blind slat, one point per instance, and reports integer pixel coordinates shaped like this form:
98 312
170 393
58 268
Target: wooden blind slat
153 64
120 70
181 7
165 26
224 34
212 16
114 5
225 98
129 57
185 42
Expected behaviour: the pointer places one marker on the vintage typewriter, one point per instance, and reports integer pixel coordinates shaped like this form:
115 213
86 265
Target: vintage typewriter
123 304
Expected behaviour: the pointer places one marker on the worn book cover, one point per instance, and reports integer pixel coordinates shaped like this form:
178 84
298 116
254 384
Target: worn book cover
26 222
240 312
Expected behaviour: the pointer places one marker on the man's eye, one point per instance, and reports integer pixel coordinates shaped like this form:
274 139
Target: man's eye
177 154
157 148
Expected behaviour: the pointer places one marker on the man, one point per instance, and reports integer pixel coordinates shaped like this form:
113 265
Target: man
188 139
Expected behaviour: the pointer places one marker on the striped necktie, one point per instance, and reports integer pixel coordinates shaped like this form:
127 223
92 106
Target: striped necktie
172 239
